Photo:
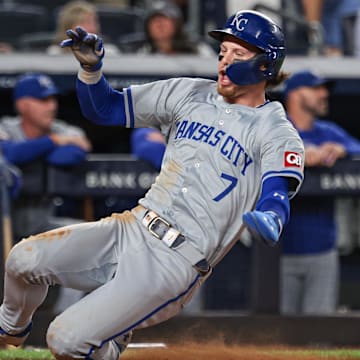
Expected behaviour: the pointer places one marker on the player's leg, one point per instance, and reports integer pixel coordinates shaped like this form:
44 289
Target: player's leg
291 285
321 292
66 296
79 256
150 286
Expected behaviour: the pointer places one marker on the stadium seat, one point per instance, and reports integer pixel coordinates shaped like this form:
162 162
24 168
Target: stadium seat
35 42
48 5
130 43
17 20
117 22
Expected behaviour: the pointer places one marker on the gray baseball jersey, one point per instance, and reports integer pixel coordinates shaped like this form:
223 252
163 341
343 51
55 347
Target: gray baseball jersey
11 129
216 159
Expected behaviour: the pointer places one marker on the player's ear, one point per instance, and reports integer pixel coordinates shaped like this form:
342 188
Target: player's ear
20 105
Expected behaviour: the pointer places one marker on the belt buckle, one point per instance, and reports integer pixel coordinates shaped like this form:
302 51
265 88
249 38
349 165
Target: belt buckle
153 222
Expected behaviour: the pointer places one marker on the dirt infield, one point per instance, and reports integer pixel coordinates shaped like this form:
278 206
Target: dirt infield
188 351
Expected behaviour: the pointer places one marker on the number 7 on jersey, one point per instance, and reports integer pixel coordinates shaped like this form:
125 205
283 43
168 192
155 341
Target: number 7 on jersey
233 181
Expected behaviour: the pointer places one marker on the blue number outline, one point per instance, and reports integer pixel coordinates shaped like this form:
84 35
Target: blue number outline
233 182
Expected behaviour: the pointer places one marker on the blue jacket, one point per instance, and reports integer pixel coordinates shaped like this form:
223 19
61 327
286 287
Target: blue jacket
311 228
145 149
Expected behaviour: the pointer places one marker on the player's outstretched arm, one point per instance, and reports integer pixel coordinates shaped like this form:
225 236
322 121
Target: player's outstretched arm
272 211
98 101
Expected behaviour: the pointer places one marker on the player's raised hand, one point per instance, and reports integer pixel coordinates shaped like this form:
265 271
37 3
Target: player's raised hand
263 225
87 47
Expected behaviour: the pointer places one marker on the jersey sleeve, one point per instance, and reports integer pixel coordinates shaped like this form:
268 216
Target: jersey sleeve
155 104
282 152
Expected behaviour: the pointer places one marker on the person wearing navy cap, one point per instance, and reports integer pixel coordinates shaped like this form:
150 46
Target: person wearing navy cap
309 262
36 135
35 86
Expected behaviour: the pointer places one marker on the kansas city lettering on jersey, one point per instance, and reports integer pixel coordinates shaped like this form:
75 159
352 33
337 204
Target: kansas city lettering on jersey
229 146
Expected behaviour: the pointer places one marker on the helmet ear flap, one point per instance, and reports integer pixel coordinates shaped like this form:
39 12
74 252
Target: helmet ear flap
269 64
245 72
274 60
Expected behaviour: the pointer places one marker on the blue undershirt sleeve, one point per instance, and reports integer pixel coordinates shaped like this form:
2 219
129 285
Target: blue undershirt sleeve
101 104
145 149
66 155
274 197
22 152
351 144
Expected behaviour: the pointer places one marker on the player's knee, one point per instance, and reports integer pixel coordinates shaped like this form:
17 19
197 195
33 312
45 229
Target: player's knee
21 259
62 342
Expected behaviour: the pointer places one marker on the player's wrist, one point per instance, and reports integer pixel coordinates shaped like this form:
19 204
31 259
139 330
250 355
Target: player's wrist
89 77
92 68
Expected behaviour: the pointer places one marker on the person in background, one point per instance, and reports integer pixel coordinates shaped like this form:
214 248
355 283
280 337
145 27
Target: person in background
77 13
148 144
5 47
309 262
337 23
350 16
165 34
325 29
11 176
35 134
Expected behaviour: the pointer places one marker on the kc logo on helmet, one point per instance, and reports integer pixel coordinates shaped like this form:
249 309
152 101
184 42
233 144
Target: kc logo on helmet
239 21
292 159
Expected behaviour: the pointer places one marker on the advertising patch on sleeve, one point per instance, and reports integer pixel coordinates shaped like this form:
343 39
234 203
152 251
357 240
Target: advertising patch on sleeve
292 159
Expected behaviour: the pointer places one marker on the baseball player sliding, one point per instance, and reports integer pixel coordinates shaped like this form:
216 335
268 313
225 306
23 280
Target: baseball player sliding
232 160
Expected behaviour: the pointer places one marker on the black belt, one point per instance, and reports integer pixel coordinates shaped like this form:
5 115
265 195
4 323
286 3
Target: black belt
163 231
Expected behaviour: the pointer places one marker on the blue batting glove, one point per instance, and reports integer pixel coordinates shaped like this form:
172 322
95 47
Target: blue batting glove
265 226
87 48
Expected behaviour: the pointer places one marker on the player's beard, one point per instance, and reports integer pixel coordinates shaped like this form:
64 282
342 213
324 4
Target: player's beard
230 93
318 108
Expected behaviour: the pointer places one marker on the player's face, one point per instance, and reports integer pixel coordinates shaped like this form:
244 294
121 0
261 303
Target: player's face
161 28
315 100
39 113
232 49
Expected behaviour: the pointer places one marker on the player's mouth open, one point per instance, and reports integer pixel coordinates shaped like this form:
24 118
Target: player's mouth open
223 78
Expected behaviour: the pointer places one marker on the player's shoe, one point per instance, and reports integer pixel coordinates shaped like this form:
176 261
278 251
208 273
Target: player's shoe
264 226
14 339
123 341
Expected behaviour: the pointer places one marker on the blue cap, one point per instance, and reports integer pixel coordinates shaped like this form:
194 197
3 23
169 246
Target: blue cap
37 86
303 78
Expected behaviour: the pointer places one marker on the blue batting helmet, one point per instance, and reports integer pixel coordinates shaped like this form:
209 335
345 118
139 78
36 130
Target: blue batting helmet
260 31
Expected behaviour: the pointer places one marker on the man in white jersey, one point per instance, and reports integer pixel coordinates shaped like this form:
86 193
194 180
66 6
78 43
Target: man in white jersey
232 160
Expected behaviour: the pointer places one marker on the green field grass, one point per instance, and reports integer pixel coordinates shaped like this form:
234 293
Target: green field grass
320 353
339 354
25 354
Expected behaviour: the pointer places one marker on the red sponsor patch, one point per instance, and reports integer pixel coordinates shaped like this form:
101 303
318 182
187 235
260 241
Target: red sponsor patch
293 159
